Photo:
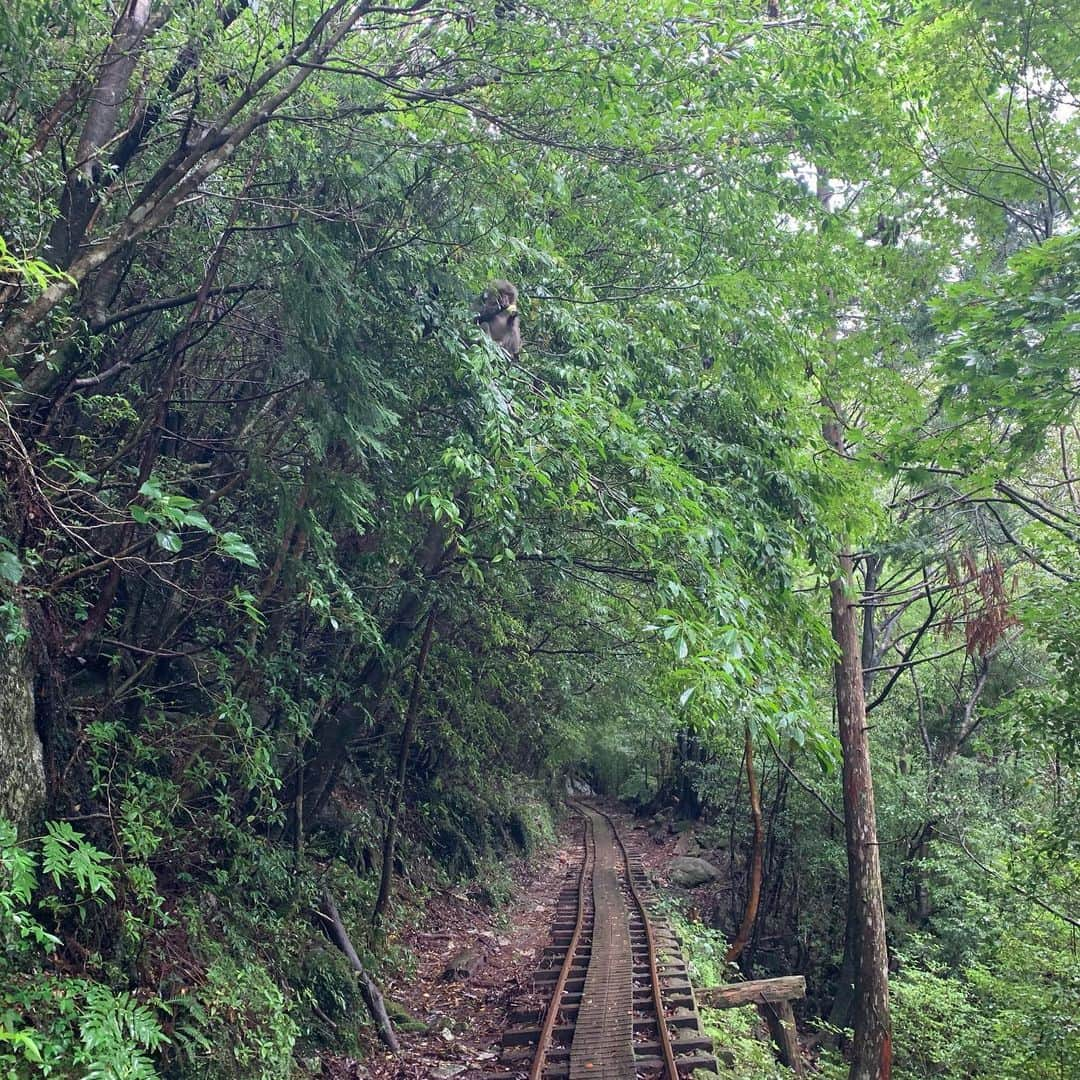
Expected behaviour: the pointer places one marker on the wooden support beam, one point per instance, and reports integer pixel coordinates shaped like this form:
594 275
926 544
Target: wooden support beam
780 1018
773 998
755 992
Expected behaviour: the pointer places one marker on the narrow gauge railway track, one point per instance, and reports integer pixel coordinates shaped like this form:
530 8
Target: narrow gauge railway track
620 1004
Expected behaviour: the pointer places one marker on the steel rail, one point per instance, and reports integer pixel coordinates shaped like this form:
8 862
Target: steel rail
670 1065
589 841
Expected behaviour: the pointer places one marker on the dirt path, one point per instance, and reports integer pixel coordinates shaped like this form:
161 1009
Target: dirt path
466 1017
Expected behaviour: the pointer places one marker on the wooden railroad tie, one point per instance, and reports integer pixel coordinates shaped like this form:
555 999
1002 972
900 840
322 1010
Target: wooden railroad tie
619 1003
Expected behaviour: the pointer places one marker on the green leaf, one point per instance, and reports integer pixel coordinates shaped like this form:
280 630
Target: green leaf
170 541
233 546
197 521
10 568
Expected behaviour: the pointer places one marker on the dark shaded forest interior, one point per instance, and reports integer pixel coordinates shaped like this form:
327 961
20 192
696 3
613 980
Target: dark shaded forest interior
410 414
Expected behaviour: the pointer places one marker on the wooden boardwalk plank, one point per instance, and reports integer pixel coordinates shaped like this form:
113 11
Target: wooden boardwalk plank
622 964
603 1045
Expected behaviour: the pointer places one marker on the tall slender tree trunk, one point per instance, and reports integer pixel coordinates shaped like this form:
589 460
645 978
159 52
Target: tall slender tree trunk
872 1052
757 858
386 876
866 961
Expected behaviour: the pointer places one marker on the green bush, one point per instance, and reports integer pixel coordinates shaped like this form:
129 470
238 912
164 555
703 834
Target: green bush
326 979
931 1014
742 1054
62 1026
240 1025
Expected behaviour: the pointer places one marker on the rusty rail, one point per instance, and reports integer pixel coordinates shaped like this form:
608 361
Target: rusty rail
544 1041
562 1039
671 1068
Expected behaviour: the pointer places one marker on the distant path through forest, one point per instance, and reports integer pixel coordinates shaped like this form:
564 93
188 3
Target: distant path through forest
620 1004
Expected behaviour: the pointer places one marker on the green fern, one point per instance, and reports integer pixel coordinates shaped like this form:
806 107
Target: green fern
117 1033
18 880
65 853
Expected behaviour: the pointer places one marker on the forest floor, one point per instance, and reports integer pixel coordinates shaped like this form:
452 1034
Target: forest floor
465 1018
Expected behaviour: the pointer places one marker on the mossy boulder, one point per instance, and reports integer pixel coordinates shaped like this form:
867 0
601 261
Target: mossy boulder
688 872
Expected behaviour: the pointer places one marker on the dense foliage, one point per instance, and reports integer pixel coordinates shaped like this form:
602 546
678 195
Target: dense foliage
792 283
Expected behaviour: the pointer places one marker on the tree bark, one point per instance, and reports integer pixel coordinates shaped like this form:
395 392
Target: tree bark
871 570
872 1050
79 202
369 990
386 876
757 857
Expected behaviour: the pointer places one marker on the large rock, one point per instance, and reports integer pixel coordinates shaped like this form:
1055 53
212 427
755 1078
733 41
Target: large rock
688 872
22 768
578 789
464 964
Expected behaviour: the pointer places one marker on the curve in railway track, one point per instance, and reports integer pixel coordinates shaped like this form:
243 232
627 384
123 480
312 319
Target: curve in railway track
619 1003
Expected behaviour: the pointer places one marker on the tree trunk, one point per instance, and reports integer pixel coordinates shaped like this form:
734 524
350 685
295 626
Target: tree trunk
840 1013
179 178
871 571
923 906
757 857
79 201
333 735
866 955
872 1052
368 988
386 876
688 747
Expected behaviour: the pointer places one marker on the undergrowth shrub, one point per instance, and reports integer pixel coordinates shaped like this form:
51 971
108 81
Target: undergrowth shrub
218 930
326 979
55 1024
63 1026
742 1054
931 1013
743 1049
246 1030
531 824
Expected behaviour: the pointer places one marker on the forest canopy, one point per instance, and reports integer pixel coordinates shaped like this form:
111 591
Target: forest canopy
307 583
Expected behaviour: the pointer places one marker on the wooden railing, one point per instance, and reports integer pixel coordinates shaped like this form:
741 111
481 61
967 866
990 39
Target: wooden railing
773 997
